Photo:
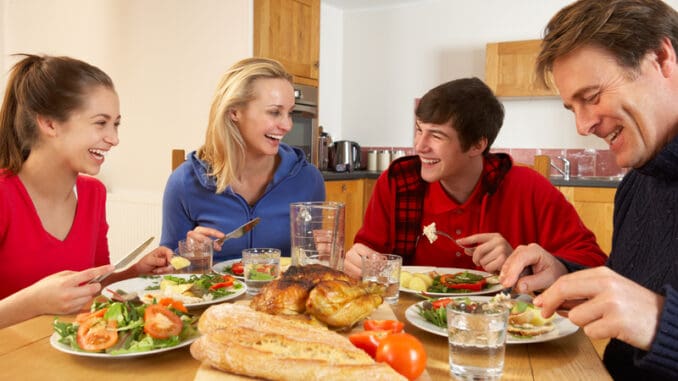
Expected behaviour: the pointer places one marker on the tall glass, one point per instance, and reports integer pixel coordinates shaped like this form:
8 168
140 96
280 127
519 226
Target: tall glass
317 233
477 340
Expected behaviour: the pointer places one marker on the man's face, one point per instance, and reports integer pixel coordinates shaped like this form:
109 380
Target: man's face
441 154
632 112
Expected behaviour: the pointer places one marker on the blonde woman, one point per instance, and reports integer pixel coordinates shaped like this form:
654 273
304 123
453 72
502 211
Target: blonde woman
243 170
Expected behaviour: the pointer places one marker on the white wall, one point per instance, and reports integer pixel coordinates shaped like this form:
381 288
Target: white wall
392 55
165 58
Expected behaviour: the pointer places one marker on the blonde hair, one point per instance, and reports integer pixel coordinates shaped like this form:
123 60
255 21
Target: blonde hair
224 147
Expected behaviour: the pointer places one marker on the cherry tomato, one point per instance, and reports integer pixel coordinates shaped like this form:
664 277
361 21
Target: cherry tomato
441 303
238 268
160 322
404 353
176 304
97 334
368 341
393 326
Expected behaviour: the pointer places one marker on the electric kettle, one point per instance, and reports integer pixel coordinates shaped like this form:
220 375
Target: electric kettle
346 156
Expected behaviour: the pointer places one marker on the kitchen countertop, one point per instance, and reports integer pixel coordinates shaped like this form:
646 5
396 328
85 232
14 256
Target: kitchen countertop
588 181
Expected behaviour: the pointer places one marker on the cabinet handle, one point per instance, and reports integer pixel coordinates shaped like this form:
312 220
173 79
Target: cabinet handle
343 188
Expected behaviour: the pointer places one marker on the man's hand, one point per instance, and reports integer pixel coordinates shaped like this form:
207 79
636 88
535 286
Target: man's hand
545 269
353 260
489 252
611 306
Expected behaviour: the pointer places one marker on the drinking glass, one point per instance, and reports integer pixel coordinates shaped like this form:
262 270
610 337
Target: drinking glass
261 265
477 340
385 270
198 253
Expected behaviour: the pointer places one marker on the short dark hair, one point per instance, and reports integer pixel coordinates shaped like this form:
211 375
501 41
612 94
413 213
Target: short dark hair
469 105
628 29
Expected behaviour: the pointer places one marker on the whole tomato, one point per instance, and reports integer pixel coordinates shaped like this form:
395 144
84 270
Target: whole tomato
404 353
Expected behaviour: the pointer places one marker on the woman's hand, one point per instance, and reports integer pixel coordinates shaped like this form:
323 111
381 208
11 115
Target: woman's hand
155 262
545 269
66 292
203 234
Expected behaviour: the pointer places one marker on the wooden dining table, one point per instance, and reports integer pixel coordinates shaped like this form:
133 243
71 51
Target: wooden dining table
26 354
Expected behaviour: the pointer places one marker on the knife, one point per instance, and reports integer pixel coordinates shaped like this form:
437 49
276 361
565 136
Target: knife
239 232
125 261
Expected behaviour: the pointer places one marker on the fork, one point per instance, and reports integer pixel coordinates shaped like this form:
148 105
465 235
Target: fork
440 233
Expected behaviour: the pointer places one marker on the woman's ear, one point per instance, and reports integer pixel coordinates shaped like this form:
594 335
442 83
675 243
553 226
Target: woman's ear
46 125
234 114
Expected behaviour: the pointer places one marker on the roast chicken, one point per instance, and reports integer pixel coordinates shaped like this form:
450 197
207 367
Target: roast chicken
317 292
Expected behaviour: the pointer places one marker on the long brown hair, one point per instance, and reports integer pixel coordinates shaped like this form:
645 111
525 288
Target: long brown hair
49 86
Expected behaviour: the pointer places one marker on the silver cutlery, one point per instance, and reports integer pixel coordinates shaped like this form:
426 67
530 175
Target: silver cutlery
240 231
125 261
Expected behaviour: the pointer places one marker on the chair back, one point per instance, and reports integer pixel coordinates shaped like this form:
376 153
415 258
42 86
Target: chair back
178 157
541 164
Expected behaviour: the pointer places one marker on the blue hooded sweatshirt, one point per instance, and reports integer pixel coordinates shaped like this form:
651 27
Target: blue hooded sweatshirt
190 200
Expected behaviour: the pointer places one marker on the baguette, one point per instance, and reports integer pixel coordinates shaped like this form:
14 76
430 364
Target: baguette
239 340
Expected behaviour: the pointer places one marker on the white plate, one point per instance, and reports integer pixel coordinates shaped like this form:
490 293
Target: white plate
220 268
54 340
563 327
449 270
139 286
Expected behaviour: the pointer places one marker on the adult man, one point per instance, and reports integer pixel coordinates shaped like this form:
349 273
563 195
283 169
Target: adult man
477 197
614 63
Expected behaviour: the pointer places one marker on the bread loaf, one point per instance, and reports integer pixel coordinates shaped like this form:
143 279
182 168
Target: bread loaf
240 340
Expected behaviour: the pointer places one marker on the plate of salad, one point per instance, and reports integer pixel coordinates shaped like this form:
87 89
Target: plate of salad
447 281
431 316
123 329
232 267
193 290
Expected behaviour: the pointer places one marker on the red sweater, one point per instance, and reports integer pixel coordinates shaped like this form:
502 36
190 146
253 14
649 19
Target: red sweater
525 208
28 253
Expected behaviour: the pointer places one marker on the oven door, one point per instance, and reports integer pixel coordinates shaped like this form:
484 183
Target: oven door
304 134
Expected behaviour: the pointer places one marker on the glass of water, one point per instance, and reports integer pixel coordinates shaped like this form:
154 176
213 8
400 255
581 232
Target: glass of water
261 265
477 339
385 270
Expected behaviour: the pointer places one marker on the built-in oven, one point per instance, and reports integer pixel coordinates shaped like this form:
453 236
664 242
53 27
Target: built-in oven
304 134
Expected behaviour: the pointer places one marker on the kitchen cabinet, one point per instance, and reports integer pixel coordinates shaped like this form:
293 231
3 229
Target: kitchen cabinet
510 69
595 207
289 31
351 193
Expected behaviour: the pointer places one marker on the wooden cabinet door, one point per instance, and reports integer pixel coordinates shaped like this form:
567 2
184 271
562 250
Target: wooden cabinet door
595 207
289 31
350 192
510 71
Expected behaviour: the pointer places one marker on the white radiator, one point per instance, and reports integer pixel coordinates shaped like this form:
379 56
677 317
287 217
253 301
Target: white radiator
132 218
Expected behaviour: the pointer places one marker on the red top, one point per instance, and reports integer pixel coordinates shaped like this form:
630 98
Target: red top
525 208
28 253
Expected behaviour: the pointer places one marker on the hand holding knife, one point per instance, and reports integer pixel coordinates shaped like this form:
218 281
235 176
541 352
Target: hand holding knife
125 261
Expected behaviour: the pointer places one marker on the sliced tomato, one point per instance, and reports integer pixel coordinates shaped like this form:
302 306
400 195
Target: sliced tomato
404 353
160 322
368 341
393 326
238 268
95 335
441 303
228 282
83 317
176 304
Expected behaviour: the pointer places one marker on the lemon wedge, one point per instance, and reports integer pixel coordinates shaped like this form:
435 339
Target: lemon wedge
179 263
